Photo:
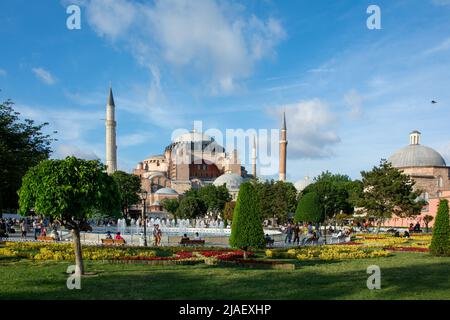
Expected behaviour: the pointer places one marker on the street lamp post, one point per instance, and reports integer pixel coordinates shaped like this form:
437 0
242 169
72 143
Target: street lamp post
325 219
144 198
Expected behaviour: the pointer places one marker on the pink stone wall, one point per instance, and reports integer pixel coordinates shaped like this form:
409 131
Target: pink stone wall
433 205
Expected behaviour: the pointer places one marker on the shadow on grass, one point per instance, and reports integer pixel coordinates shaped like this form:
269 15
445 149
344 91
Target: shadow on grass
214 282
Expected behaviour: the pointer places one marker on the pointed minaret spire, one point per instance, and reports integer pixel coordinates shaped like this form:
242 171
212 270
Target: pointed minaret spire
111 147
110 98
254 156
283 149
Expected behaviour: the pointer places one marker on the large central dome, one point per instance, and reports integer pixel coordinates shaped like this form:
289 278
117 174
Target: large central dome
193 137
416 155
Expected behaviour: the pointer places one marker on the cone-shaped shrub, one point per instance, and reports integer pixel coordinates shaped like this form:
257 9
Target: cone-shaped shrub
309 209
246 230
441 231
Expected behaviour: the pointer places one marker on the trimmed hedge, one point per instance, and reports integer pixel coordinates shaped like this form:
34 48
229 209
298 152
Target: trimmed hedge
309 209
247 230
441 231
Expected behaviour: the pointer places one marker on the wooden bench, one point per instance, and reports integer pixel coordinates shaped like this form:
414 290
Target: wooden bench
186 242
113 242
45 238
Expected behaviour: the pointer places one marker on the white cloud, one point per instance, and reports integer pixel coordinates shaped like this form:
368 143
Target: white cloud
444 45
354 102
213 41
70 124
310 129
66 150
133 139
44 76
3 73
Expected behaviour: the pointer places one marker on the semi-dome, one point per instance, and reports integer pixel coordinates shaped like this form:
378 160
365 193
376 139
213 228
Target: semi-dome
416 155
300 185
166 191
232 181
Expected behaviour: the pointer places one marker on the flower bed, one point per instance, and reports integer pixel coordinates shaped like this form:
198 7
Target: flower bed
331 252
408 249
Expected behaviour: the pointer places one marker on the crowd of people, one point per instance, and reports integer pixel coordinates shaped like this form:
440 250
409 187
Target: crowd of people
157 235
296 233
37 226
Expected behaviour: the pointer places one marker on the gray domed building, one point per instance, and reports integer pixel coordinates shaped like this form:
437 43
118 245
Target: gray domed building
232 181
425 165
300 185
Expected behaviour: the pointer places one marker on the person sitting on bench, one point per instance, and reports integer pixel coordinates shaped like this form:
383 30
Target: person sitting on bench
269 240
108 235
119 237
417 227
197 236
185 238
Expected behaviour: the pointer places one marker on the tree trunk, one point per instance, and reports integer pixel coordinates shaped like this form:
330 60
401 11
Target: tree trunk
379 227
245 254
77 248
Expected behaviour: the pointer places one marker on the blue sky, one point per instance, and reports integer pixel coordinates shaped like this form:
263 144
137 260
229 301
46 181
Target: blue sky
352 95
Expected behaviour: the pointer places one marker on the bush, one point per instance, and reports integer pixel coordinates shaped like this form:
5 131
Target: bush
246 230
308 209
441 231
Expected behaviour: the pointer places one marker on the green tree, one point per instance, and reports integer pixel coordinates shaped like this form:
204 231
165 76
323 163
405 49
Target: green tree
70 191
427 219
214 197
276 199
171 206
247 230
228 211
191 207
336 192
129 186
440 242
22 146
388 192
309 209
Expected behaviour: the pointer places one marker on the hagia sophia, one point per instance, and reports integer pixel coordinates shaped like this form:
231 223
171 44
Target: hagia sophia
192 160
195 159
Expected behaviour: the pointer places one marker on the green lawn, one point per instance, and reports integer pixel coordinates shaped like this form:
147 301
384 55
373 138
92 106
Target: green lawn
404 276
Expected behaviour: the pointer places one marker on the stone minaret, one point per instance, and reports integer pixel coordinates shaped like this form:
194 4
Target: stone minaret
283 149
254 158
111 147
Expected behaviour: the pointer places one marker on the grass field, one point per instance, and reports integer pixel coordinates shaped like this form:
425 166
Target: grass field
403 276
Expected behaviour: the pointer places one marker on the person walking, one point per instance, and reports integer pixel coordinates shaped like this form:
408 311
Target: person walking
23 228
36 228
289 230
297 233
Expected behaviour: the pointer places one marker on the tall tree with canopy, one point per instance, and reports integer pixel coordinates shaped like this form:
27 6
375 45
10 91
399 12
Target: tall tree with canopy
129 186
70 191
191 207
276 199
388 192
335 192
22 146
171 206
247 230
309 209
214 197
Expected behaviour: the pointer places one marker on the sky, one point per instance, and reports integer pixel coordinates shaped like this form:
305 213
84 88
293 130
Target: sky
351 94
